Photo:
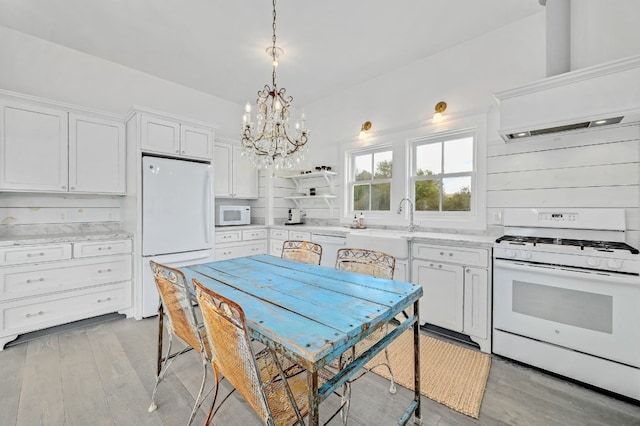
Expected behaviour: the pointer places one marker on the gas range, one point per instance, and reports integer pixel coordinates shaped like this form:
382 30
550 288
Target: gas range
555 237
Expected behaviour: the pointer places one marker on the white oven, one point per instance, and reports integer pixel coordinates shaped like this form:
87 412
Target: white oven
593 312
566 295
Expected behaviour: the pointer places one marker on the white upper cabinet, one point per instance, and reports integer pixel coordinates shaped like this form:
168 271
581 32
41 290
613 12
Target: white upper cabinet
235 176
33 144
96 155
46 148
171 137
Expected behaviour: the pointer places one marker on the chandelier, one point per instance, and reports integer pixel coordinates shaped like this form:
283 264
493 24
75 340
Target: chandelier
270 140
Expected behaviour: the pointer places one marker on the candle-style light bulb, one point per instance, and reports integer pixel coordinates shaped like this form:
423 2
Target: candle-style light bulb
247 107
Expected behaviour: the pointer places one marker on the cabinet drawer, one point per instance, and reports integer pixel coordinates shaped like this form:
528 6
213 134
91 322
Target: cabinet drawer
300 235
101 248
228 237
25 315
461 255
37 280
279 234
254 234
18 255
256 248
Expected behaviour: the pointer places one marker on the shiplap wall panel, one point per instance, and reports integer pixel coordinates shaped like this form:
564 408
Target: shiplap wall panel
605 197
588 176
588 155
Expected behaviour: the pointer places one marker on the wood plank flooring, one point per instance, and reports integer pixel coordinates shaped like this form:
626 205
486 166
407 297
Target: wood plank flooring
103 374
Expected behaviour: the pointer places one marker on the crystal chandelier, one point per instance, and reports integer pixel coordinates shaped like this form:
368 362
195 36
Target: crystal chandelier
269 140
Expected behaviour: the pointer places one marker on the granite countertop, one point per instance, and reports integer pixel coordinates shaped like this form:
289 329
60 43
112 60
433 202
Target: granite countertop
458 239
62 238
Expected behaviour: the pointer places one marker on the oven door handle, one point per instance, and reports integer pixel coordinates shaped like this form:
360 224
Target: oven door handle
611 277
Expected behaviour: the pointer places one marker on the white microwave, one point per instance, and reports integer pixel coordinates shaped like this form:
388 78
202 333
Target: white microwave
233 215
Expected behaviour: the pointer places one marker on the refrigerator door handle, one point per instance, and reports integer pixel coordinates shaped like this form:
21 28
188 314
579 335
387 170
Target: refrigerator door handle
207 197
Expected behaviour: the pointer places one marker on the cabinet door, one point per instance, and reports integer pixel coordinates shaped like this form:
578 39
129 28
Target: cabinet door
96 155
196 142
222 157
245 176
476 302
33 148
442 301
160 135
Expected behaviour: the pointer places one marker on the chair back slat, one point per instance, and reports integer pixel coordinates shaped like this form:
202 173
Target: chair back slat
302 251
231 349
178 303
363 261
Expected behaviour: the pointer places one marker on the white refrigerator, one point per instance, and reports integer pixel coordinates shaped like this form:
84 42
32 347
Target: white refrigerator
177 219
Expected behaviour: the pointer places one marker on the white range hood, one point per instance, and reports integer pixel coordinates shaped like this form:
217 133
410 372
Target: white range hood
574 101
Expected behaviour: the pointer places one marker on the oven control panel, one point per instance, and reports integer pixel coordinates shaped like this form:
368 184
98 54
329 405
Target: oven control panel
557 217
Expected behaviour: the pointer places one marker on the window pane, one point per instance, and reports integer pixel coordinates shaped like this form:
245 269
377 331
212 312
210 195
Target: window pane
458 155
382 162
361 197
427 195
428 159
456 195
363 167
380 196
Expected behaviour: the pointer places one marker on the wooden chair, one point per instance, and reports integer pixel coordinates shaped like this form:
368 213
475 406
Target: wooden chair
376 264
177 298
302 251
273 387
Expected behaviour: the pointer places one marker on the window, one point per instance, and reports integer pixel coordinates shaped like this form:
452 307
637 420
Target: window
443 173
370 180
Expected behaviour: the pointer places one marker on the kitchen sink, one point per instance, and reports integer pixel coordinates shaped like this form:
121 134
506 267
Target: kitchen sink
390 242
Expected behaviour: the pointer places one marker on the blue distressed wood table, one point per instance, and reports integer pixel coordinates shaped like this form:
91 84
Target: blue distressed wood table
312 314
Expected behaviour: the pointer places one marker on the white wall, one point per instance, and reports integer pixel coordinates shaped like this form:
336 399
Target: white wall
602 31
40 68
400 104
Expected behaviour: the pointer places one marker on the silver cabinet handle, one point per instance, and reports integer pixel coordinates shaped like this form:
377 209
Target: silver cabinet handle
101 271
104 300
468 270
38 254
104 248
450 254
35 315
439 266
72 188
35 281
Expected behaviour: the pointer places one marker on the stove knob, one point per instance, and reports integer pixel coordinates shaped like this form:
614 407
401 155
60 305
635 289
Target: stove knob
510 253
525 254
614 263
593 261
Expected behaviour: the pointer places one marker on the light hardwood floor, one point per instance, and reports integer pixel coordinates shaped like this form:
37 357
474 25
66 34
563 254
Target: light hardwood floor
103 374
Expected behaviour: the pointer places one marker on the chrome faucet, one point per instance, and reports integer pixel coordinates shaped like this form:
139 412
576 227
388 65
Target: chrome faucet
412 227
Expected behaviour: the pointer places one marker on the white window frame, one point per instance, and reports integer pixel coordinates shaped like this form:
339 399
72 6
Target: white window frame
351 182
476 217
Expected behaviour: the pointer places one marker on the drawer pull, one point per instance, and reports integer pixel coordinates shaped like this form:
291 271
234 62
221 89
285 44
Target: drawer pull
450 254
104 300
35 281
35 315
102 271
104 248
37 254
441 253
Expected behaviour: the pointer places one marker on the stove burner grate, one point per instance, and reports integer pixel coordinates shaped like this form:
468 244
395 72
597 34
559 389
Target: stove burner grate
597 245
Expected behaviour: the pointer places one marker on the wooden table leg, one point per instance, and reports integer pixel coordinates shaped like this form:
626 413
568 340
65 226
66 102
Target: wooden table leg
416 363
314 403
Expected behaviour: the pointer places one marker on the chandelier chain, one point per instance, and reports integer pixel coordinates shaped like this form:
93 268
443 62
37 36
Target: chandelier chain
273 48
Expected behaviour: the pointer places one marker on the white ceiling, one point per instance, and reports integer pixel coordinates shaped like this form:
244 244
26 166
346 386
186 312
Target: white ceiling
218 46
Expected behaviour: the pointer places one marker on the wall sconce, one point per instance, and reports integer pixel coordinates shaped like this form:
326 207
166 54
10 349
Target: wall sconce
440 108
366 126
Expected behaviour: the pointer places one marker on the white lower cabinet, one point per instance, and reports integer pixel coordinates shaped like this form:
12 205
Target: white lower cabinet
239 243
38 291
456 288
277 237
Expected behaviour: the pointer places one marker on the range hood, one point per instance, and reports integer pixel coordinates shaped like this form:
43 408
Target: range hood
575 101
